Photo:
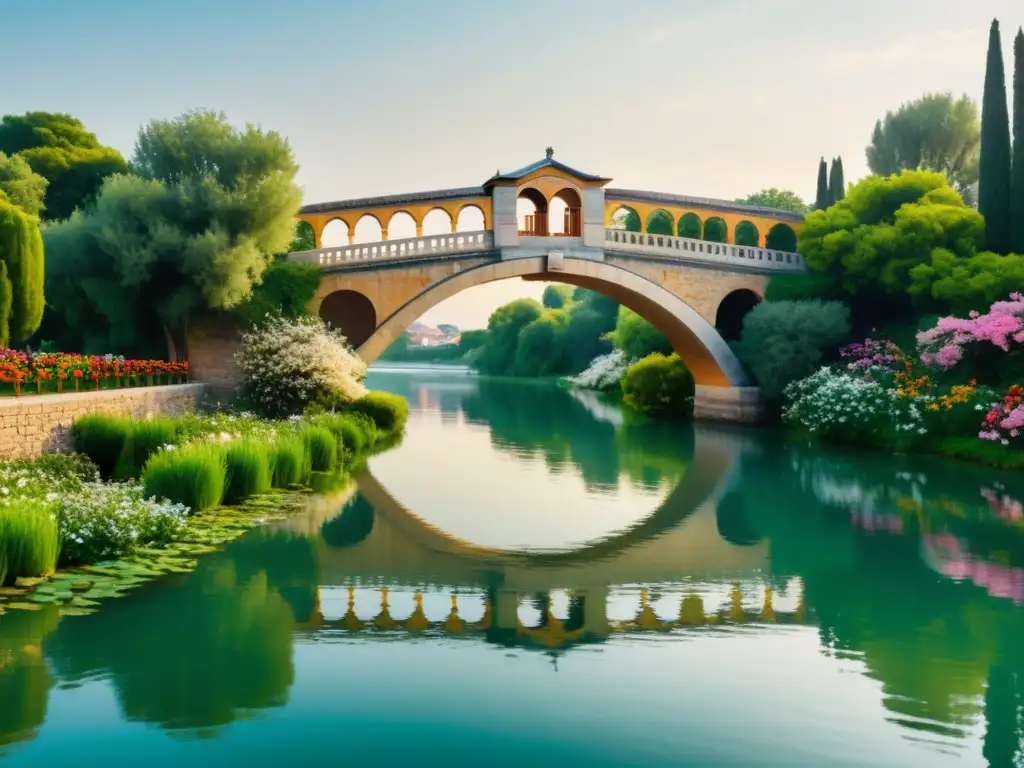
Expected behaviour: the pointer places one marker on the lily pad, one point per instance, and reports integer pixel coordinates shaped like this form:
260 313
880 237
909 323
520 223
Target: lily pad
20 606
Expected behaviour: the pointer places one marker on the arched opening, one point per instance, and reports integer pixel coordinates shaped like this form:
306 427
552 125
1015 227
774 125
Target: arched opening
716 230
351 313
471 219
532 212
691 226
335 234
304 238
660 223
437 222
625 218
698 344
747 234
734 307
781 237
351 527
731 519
401 226
368 229
566 215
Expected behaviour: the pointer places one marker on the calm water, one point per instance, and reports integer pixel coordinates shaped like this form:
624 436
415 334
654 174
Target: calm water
531 579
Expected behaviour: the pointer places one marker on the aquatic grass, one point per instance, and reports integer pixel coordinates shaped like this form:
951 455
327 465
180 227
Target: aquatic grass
29 540
321 447
148 437
349 431
248 470
193 475
388 411
102 437
289 463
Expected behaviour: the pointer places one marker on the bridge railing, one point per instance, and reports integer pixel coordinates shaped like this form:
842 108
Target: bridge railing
685 248
408 248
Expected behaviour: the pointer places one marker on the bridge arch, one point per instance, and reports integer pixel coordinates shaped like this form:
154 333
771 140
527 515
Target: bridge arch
733 308
401 225
368 229
437 221
350 312
746 234
691 226
625 217
781 237
336 232
471 218
660 222
699 345
716 230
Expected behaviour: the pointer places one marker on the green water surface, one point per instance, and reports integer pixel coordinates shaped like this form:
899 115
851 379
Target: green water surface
533 579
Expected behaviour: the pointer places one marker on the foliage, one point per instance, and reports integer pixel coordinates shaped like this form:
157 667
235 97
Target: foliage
387 411
539 347
604 373
933 133
1017 165
290 364
50 370
966 284
193 475
285 289
777 199
556 296
29 541
836 182
715 230
660 223
62 151
6 302
660 386
304 238
21 250
100 521
321 447
470 340
1001 328
784 341
690 226
982 452
636 337
248 470
402 351
821 198
103 438
1004 421
146 438
290 463
503 327
349 431
781 237
22 186
994 190
870 244
194 232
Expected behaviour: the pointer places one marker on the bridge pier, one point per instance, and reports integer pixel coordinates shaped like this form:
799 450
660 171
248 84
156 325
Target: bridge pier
740 405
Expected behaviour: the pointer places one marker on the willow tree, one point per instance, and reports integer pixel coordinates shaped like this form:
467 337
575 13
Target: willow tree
21 252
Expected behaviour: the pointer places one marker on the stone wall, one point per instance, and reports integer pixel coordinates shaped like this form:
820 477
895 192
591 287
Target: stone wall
35 424
212 345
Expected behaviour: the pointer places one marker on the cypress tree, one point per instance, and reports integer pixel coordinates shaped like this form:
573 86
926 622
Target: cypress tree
994 201
821 200
837 188
1017 183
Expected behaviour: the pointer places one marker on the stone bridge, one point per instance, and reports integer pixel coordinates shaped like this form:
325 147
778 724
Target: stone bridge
691 266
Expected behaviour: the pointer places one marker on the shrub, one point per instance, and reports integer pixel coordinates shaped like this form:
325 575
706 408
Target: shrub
248 470
288 365
784 341
348 430
102 437
321 448
29 540
289 463
603 373
147 437
107 520
194 475
636 337
660 386
389 412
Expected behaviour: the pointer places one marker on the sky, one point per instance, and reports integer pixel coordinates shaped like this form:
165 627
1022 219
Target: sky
714 99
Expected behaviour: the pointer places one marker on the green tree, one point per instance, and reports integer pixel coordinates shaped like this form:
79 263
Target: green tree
636 337
787 340
304 239
196 233
660 223
994 177
965 284
60 149
778 199
836 182
690 226
21 251
1017 182
933 133
556 296
660 386
498 355
285 289
821 199
22 186
627 219
539 348
715 230
471 340
6 299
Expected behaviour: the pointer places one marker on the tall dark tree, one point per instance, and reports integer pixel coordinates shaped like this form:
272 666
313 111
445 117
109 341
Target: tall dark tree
836 182
994 199
821 199
1017 182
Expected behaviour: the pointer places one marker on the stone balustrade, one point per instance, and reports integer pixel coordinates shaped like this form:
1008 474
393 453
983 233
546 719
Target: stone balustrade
397 250
688 249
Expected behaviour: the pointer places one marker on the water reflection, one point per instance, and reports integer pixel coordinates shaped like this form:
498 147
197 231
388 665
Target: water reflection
905 571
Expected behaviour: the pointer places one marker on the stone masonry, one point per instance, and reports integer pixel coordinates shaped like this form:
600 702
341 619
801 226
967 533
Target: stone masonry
32 425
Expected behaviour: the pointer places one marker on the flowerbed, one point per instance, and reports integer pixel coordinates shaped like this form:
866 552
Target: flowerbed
46 372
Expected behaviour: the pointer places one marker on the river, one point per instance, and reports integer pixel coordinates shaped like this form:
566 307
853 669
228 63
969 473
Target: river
535 578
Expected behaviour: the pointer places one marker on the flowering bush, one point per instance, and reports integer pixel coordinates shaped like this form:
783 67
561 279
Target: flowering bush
288 365
1005 419
945 344
49 371
603 373
872 355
